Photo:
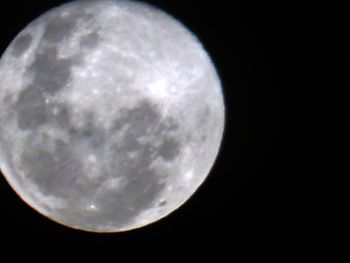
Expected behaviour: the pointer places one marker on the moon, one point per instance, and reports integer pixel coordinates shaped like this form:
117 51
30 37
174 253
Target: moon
111 112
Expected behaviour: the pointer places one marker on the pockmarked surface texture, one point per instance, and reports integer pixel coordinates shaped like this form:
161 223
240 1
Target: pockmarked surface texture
111 115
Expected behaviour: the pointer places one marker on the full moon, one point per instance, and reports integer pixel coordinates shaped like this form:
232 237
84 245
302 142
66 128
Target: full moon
111 112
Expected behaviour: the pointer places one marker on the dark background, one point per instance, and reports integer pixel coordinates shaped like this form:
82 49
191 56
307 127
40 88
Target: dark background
280 174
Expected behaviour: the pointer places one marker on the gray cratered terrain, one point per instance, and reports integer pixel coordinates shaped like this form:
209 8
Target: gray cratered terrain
111 115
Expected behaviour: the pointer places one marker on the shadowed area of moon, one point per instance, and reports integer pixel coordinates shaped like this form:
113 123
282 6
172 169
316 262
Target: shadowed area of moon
114 113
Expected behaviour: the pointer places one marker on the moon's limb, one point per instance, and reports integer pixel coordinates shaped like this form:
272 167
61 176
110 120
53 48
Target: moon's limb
114 115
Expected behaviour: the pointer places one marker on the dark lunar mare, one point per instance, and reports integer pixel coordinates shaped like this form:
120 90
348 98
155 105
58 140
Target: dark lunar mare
57 28
30 108
60 174
21 44
143 185
55 172
90 41
50 75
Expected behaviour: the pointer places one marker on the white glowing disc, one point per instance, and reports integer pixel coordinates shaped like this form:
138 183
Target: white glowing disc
111 115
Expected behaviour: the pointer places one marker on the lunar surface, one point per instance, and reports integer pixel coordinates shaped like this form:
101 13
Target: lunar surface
111 115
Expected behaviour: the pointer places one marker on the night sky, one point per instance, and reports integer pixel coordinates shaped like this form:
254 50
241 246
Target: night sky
280 173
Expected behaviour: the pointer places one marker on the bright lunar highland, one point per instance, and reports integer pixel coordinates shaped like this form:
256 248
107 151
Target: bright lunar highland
111 114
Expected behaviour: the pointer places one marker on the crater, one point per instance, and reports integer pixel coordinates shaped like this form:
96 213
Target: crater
30 108
162 203
169 149
51 73
21 44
